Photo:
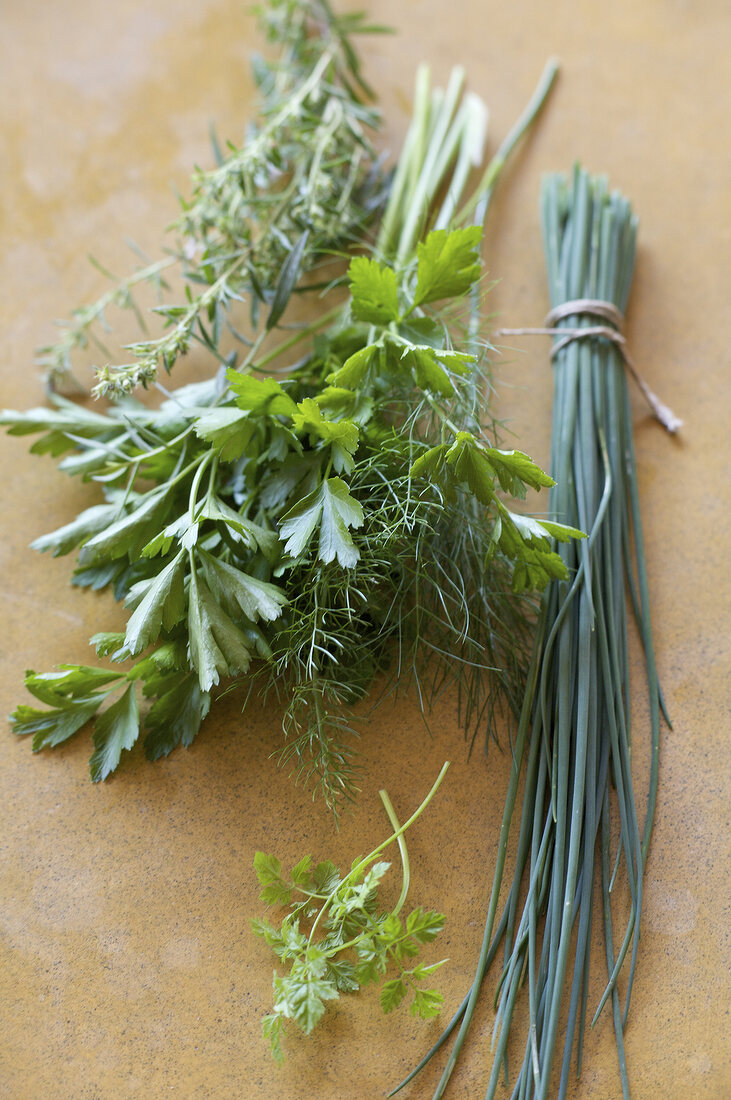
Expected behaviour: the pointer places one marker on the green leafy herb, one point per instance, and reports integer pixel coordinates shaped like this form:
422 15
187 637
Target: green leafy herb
335 939
303 534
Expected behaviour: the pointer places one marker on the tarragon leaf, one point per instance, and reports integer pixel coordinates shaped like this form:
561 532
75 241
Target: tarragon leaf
334 510
448 264
116 729
374 291
288 277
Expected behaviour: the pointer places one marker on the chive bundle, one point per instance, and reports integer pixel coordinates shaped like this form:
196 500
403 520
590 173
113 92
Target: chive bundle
573 740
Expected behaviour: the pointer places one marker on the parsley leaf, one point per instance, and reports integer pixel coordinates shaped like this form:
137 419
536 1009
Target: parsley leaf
263 396
448 264
175 717
334 510
116 729
217 646
374 291
158 602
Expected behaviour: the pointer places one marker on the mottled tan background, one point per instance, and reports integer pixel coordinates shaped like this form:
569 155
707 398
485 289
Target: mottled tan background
127 966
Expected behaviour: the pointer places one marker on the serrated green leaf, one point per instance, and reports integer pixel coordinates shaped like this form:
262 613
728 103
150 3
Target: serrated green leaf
354 370
294 941
423 925
277 485
374 291
427 1003
367 970
334 510
217 646
268 868
420 971
106 642
180 530
242 592
272 1028
448 264
325 877
175 717
429 374
129 533
275 894
342 973
342 435
115 730
431 462
301 998
159 664
228 430
515 470
52 727
392 994
162 605
301 872
68 681
262 396
88 523
251 535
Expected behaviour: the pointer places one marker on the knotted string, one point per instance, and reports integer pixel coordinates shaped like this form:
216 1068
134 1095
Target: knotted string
611 331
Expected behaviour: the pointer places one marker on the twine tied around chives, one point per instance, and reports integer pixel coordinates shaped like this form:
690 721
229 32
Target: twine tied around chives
596 307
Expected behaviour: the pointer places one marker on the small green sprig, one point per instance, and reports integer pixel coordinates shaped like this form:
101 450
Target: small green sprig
350 943
304 182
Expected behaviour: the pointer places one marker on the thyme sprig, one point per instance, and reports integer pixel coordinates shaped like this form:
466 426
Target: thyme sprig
305 181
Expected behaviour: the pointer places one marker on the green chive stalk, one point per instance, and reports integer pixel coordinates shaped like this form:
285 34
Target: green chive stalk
573 745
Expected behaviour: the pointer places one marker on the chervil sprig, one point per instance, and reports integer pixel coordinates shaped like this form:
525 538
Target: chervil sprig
335 939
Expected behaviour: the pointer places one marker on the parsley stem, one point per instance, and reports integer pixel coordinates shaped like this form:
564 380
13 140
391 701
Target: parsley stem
406 869
397 833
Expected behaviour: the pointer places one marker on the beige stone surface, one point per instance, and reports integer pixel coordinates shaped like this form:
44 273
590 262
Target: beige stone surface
127 968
